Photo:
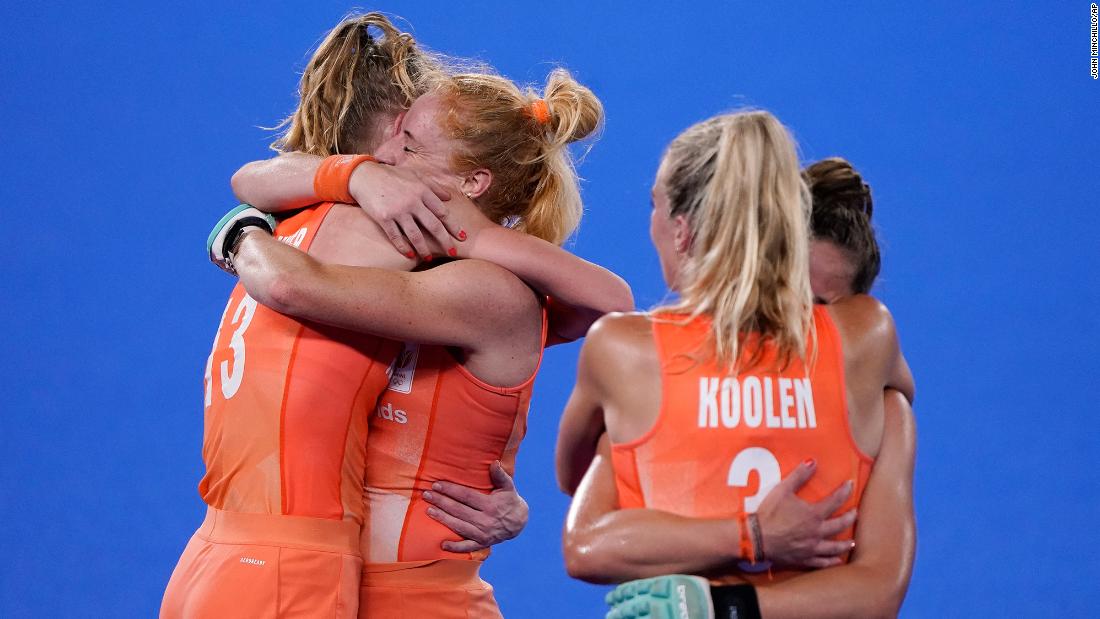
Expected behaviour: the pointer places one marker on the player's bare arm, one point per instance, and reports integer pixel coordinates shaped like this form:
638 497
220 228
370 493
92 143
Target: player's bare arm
874 582
605 544
401 202
438 306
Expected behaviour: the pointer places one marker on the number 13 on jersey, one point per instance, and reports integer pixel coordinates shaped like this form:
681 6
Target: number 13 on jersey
231 370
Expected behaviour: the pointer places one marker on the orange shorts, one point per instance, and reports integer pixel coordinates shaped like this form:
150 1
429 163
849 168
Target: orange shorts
441 589
264 565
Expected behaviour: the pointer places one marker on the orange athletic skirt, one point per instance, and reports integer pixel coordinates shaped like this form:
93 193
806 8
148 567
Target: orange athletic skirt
264 565
441 589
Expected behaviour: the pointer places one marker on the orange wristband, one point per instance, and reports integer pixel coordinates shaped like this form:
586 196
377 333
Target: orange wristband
748 551
331 181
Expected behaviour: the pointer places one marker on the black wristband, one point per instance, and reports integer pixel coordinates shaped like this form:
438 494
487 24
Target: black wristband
735 602
234 234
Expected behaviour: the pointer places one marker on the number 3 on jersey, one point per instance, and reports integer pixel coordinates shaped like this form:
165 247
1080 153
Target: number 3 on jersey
766 466
232 372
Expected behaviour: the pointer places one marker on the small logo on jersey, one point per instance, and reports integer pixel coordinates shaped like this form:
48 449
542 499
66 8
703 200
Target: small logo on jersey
389 413
294 240
403 368
251 561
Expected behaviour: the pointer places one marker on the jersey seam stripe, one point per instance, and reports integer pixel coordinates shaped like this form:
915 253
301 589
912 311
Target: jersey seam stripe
282 420
440 377
317 217
347 429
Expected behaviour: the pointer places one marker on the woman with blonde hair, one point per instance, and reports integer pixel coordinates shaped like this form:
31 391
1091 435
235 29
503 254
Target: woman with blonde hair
298 494
461 389
742 421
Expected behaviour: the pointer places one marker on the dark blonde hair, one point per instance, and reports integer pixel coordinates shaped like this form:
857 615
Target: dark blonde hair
736 179
354 76
499 128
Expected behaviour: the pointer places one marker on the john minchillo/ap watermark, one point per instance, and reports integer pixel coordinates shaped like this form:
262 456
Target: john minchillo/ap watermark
1093 60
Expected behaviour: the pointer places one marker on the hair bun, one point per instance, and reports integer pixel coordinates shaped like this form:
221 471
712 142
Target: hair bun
834 183
574 111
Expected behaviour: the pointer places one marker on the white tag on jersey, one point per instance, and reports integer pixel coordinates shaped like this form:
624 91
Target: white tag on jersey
403 368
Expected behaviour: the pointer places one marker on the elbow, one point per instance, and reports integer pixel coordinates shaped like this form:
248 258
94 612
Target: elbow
889 593
276 290
283 294
886 608
582 560
622 300
241 180
893 595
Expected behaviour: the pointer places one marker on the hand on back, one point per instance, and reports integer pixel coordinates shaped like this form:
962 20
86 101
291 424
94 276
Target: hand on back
481 519
799 534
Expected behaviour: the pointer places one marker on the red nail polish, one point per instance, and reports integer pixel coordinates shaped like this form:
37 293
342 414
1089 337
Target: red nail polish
452 252
462 235
428 258
809 462
410 255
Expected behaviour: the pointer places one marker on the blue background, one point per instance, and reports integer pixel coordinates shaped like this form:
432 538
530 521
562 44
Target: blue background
976 124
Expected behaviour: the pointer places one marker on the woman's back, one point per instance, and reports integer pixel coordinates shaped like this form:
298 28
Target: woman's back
711 443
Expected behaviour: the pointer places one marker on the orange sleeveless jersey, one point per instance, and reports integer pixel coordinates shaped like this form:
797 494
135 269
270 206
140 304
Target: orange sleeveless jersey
721 442
287 405
436 421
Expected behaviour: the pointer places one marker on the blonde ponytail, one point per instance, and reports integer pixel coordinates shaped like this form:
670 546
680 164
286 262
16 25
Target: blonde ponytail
736 178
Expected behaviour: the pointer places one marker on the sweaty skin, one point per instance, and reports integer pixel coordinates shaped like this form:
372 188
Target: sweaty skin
604 543
871 584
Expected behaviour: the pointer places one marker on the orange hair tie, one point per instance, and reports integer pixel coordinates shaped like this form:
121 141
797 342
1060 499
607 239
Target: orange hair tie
330 183
539 110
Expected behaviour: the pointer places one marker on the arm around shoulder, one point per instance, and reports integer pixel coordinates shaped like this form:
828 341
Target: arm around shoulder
278 184
605 544
463 303
582 291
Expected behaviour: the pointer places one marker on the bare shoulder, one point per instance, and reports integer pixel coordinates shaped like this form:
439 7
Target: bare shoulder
863 321
621 343
618 331
871 344
862 310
